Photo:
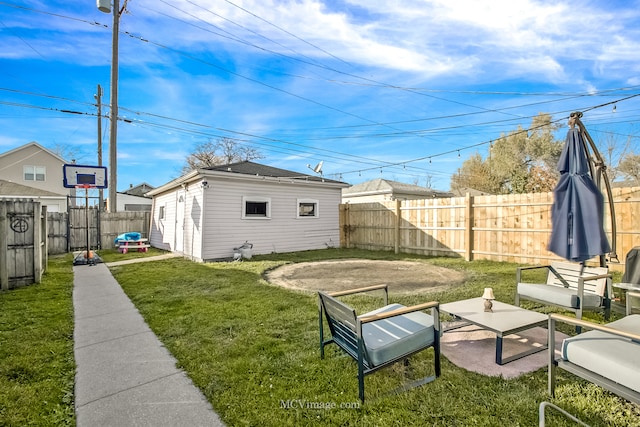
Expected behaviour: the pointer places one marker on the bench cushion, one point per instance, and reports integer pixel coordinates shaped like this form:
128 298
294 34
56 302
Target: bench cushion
557 295
609 356
390 338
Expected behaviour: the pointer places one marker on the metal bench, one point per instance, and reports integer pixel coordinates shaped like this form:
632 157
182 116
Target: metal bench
570 286
381 337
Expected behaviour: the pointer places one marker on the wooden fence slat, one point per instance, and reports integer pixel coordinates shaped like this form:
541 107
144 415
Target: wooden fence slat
513 228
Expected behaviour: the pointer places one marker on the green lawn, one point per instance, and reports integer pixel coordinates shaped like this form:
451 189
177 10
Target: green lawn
252 348
37 367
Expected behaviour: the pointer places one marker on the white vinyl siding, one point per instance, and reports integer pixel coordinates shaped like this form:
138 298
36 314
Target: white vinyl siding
162 233
176 222
224 228
12 168
193 217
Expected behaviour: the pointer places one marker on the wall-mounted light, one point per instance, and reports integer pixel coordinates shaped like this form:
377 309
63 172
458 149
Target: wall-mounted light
205 184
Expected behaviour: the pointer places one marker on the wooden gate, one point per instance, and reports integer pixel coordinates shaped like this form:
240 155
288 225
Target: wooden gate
79 219
23 243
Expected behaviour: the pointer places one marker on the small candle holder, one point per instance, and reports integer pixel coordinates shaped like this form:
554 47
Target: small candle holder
488 297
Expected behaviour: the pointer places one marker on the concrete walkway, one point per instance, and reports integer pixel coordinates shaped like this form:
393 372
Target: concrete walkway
124 375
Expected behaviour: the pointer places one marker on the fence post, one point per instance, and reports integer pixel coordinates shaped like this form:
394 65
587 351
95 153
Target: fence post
4 268
37 238
468 200
68 224
343 224
397 227
44 224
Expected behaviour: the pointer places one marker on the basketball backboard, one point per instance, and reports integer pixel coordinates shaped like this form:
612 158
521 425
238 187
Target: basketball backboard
84 176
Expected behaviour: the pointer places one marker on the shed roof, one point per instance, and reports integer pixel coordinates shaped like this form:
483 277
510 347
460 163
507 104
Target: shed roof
247 170
251 168
386 186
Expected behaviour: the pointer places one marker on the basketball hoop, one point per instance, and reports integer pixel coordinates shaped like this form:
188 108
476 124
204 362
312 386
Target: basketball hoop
87 177
84 176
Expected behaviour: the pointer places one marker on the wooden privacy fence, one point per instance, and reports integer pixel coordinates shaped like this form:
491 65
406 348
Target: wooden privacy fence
57 232
514 228
106 225
114 224
23 243
68 231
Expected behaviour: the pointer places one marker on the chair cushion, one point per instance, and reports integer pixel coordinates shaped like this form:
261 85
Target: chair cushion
390 338
557 295
609 356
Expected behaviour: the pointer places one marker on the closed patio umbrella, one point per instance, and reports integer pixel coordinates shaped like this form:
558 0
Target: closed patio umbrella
577 213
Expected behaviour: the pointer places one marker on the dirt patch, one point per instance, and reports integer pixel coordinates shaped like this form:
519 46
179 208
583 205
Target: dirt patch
337 275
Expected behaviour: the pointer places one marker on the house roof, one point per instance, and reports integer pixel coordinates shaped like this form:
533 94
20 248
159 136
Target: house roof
250 171
33 143
251 168
461 192
385 186
8 188
138 190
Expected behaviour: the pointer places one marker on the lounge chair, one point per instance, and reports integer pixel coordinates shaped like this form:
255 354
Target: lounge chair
381 337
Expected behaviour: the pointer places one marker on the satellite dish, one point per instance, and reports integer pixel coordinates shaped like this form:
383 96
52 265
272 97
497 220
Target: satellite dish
318 168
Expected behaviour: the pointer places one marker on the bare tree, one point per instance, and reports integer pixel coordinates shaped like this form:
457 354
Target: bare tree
629 167
68 153
221 152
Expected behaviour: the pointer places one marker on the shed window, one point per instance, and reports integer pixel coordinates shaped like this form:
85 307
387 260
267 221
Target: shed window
256 207
307 208
34 173
161 214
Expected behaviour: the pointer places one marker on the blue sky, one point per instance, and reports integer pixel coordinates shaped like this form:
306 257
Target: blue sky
403 90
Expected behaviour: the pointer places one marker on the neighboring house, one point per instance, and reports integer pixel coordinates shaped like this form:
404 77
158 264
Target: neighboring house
382 190
462 192
134 199
34 166
54 202
208 212
139 190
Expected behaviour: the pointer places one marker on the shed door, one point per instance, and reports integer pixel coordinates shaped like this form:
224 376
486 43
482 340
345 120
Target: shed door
180 204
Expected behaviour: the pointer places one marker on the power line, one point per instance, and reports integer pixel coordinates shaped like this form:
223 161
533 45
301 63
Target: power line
287 32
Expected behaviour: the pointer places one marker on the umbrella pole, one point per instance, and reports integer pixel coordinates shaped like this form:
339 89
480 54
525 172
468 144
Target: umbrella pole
601 172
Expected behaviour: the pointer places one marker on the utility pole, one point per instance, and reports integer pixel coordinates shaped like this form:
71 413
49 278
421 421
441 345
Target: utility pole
98 97
113 135
103 6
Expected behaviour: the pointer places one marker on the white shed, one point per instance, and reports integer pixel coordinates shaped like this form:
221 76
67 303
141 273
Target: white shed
208 212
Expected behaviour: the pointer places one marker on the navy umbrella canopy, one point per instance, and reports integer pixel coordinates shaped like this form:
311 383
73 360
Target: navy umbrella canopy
577 215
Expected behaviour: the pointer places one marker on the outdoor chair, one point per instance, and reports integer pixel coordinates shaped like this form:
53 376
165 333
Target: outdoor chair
570 286
381 337
606 355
